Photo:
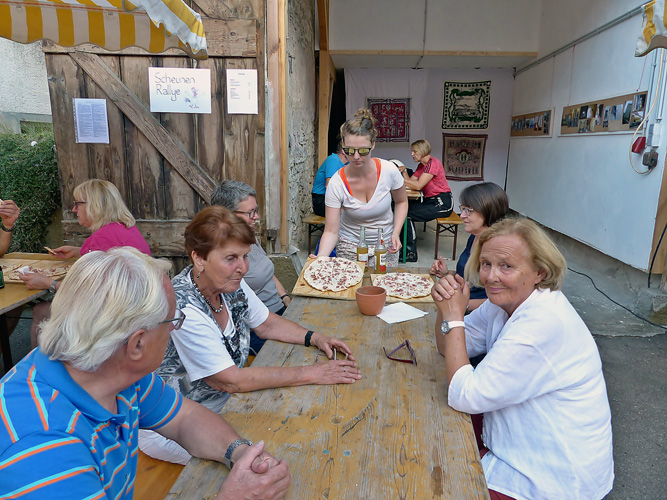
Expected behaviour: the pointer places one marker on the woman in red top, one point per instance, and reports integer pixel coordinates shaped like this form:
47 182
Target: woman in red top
429 178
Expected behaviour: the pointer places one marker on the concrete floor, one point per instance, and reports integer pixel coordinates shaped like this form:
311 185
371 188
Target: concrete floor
634 357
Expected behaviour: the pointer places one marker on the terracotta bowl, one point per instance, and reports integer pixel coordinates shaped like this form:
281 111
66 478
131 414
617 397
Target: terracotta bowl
370 299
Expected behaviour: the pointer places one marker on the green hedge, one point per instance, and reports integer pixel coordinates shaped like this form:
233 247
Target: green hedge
29 176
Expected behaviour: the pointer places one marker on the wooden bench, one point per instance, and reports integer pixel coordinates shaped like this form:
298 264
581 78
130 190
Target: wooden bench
154 477
315 223
447 224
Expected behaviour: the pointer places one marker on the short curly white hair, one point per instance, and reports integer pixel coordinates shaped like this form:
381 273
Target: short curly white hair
105 298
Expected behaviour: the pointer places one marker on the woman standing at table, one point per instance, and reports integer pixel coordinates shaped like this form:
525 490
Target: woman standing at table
206 357
360 195
98 206
481 206
546 418
430 179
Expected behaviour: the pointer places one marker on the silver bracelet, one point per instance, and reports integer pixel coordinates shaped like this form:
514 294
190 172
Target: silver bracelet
232 447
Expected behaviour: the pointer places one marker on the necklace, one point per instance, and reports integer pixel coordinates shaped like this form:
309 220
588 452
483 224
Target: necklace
222 303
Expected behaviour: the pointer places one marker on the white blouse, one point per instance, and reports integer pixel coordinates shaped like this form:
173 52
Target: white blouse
547 421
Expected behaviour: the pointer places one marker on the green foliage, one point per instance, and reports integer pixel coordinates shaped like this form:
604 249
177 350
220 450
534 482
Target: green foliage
29 176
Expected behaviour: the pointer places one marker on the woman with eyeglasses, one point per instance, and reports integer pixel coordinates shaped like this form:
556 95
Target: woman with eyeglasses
360 195
206 357
241 199
481 206
430 179
99 207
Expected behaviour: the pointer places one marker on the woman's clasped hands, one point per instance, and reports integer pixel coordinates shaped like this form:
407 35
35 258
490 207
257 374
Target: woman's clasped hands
451 294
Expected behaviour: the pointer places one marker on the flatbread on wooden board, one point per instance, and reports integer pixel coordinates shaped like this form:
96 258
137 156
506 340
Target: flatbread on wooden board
405 285
333 274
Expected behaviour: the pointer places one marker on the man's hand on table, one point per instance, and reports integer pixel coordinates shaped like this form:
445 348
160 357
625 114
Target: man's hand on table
257 475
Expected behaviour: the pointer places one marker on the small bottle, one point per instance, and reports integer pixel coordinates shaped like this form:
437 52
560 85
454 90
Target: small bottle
2 278
362 247
380 255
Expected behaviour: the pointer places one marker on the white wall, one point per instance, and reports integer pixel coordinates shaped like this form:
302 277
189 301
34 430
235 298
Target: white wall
425 87
23 85
583 185
472 25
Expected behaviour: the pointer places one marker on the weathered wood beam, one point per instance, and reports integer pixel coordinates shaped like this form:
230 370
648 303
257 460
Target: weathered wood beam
327 78
224 38
323 23
282 85
134 109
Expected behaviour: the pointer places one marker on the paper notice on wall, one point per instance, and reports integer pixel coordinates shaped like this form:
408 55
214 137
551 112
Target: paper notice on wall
90 121
179 90
242 92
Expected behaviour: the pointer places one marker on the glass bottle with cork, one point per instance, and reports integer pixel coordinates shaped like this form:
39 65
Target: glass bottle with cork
380 255
362 247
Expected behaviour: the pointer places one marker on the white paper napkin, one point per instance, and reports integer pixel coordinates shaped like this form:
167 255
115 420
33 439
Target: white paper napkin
396 313
25 270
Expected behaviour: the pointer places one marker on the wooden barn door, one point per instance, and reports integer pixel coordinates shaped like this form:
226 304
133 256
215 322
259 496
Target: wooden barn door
165 164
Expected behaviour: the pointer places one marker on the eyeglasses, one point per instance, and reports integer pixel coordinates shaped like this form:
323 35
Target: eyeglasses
177 322
362 151
251 213
466 210
77 203
410 350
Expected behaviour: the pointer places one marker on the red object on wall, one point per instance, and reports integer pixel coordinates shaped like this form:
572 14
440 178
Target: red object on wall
639 145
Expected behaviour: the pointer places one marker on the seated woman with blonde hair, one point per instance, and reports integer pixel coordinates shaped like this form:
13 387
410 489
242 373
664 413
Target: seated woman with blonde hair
99 207
540 388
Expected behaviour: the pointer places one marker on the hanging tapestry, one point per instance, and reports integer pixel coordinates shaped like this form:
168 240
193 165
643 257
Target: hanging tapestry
466 105
463 156
393 116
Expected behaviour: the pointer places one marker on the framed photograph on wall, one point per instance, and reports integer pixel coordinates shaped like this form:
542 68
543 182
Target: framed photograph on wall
463 156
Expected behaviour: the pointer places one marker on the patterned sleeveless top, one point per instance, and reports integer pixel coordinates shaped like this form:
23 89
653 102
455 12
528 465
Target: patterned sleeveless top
238 344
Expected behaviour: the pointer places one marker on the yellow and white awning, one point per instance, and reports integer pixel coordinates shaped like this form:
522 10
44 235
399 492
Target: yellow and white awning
154 25
654 32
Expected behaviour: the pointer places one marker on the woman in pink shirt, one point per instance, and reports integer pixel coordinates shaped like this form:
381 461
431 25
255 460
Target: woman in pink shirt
429 178
99 207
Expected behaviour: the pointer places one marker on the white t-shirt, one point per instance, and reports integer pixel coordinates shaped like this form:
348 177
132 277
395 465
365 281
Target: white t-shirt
374 214
547 420
199 341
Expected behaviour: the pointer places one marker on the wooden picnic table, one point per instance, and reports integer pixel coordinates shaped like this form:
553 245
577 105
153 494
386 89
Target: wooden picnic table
390 435
14 295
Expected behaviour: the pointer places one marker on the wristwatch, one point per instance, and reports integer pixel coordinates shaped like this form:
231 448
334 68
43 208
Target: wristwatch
447 326
52 287
228 455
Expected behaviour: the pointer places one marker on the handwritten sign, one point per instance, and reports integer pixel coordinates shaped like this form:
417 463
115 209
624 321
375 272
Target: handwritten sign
179 90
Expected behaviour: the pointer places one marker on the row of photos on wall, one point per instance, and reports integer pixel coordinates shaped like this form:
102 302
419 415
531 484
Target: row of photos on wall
465 106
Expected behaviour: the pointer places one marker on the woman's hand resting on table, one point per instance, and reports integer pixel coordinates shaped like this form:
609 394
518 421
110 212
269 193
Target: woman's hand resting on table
36 280
451 295
343 371
439 268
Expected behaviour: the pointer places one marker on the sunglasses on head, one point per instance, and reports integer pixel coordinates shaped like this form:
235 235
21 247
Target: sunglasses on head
361 151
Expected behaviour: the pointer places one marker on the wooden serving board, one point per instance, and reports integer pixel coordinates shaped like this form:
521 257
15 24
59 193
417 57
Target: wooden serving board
305 290
9 264
391 299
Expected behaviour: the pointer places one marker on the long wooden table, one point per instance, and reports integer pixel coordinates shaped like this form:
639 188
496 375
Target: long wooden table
390 435
12 296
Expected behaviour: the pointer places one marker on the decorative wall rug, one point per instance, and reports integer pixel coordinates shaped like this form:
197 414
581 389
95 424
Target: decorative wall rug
466 105
463 156
393 116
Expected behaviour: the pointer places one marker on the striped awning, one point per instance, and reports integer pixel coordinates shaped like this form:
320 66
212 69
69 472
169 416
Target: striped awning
654 32
154 25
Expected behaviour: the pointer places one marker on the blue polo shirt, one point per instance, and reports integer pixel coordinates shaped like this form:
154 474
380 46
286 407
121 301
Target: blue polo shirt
330 166
57 442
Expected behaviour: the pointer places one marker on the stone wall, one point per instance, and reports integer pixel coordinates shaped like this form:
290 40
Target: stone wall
301 114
